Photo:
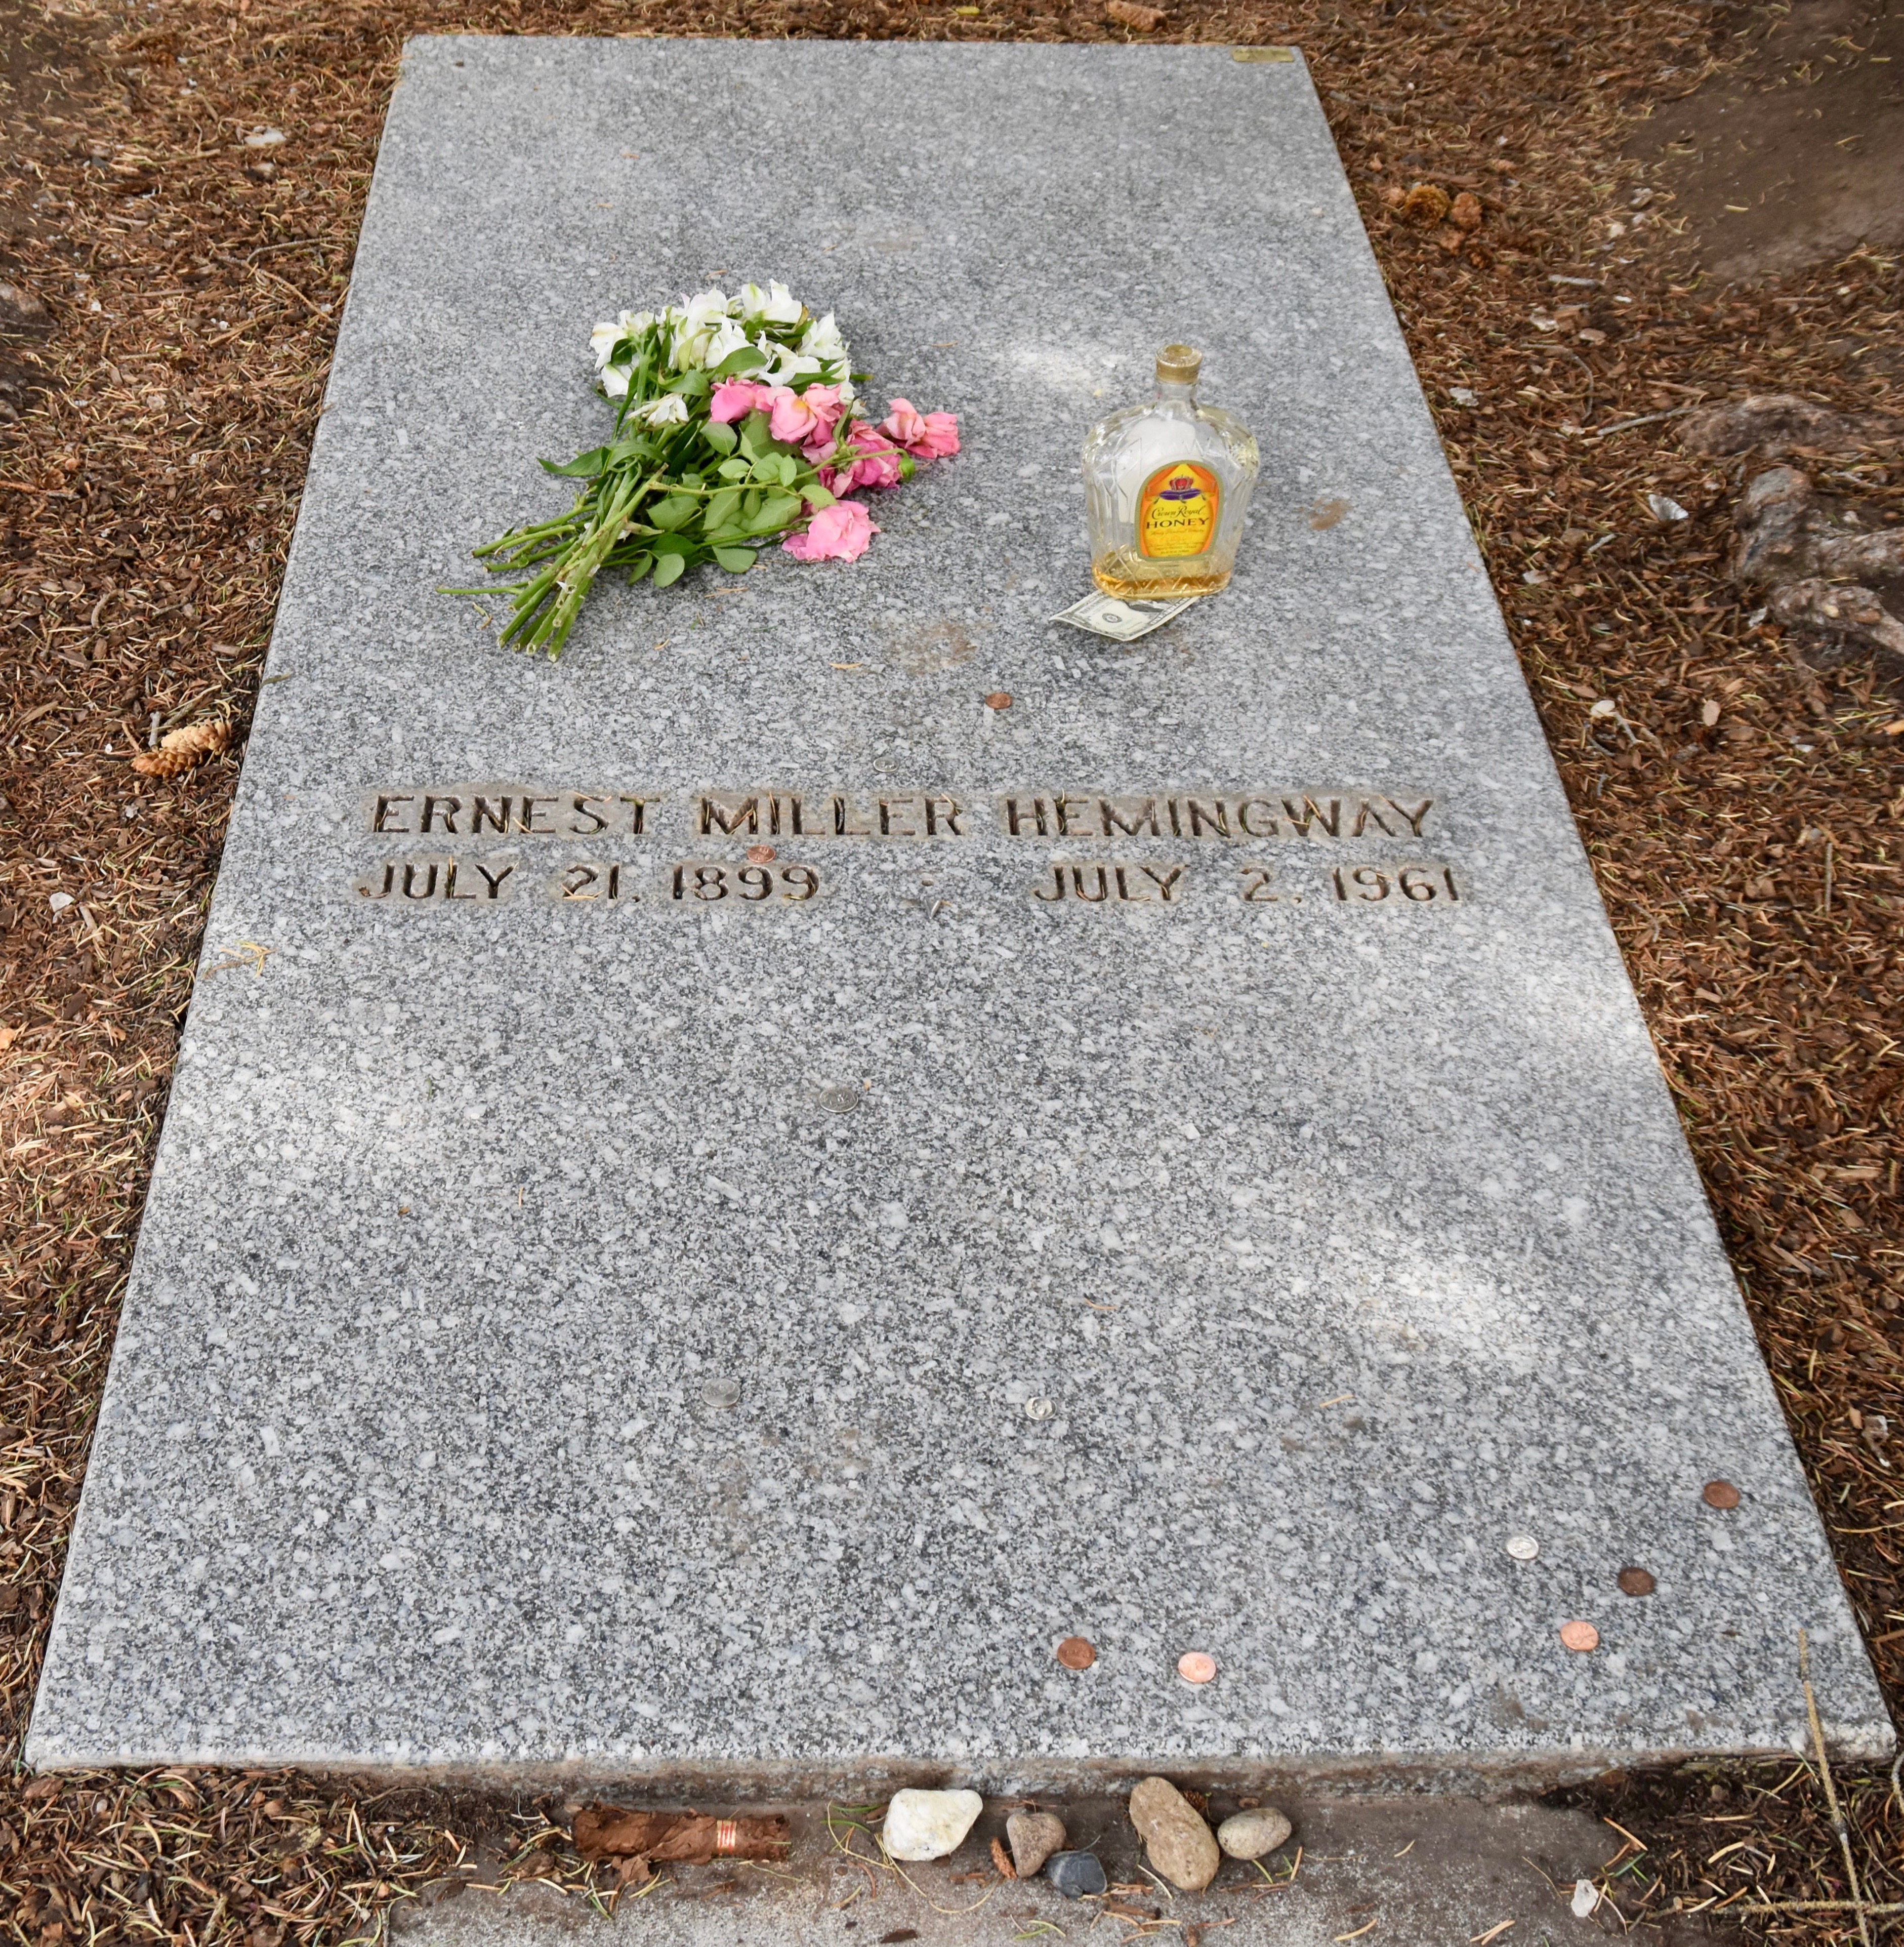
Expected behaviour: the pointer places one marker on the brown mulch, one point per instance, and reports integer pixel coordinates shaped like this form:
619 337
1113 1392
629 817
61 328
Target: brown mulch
178 293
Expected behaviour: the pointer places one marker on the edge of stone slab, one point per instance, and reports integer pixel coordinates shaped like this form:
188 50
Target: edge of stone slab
1477 1775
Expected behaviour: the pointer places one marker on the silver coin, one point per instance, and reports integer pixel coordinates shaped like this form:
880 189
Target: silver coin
722 1392
1523 1547
841 1098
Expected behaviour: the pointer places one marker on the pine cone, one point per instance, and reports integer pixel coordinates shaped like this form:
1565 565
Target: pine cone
1002 1860
1427 204
1465 211
179 750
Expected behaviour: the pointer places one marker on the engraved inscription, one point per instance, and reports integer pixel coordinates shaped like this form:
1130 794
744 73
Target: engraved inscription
1222 817
829 815
449 880
1422 883
592 880
1117 882
454 825
486 811
710 883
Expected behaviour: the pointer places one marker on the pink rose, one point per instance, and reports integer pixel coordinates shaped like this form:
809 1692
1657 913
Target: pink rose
903 425
735 398
875 459
841 532
925 435
801 419
941 438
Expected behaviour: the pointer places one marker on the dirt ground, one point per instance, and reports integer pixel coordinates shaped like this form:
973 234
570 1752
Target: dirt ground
180 188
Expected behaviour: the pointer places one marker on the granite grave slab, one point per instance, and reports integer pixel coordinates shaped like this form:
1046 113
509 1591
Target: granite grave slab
1175 1161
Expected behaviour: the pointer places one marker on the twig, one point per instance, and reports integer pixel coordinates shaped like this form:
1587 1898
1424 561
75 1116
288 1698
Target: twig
1645 419
1831 1789
271 277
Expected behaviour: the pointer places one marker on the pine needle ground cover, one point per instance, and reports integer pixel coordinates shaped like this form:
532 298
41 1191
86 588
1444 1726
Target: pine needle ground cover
181 189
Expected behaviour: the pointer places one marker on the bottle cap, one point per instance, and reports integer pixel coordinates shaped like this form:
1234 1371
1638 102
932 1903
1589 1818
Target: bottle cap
1179 364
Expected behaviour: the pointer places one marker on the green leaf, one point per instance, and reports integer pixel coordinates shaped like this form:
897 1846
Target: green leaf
639 567
776 512
735 560
584 466
755 439
734 469
744 360
668 544
720 509
816 497
721 438
690 386
767 470
675 511
669 569
790 469
750 503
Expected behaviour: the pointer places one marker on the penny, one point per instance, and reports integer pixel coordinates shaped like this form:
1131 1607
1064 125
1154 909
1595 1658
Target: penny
1523 1547
1720 1494
1077 1653
761 854
1195 1667
1636 1582
1582 1636
1000 699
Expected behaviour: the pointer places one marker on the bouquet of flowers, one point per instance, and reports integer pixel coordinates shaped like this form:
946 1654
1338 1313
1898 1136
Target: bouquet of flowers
736 421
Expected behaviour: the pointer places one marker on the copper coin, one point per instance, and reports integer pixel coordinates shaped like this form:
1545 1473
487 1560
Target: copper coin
1077 1653
1195 1667
1579 1636
1000 699
760 855
1720 1494
1636 1582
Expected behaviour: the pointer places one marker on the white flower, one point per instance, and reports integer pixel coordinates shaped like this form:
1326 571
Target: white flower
728 338
671 409
695 323
614 381
777 304
822 340
787 365
605 337
705 309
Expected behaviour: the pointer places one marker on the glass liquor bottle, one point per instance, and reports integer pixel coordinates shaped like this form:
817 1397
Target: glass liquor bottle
1166 485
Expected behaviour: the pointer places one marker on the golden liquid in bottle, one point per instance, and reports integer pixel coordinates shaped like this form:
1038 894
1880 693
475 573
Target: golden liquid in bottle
1126 574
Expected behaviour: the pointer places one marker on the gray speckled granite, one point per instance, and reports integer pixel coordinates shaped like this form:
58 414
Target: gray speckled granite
1344 1239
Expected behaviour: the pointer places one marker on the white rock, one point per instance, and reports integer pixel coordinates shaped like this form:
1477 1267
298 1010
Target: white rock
928 1825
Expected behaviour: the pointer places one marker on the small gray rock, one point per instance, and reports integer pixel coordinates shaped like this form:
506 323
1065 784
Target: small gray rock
1249 1835
1075 1875
1181 1846
1034 1837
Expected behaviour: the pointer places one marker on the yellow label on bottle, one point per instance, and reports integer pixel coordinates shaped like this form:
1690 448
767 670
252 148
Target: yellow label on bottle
1176 512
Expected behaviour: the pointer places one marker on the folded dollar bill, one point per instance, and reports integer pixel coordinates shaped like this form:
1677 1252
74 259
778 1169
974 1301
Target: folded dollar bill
1122 621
